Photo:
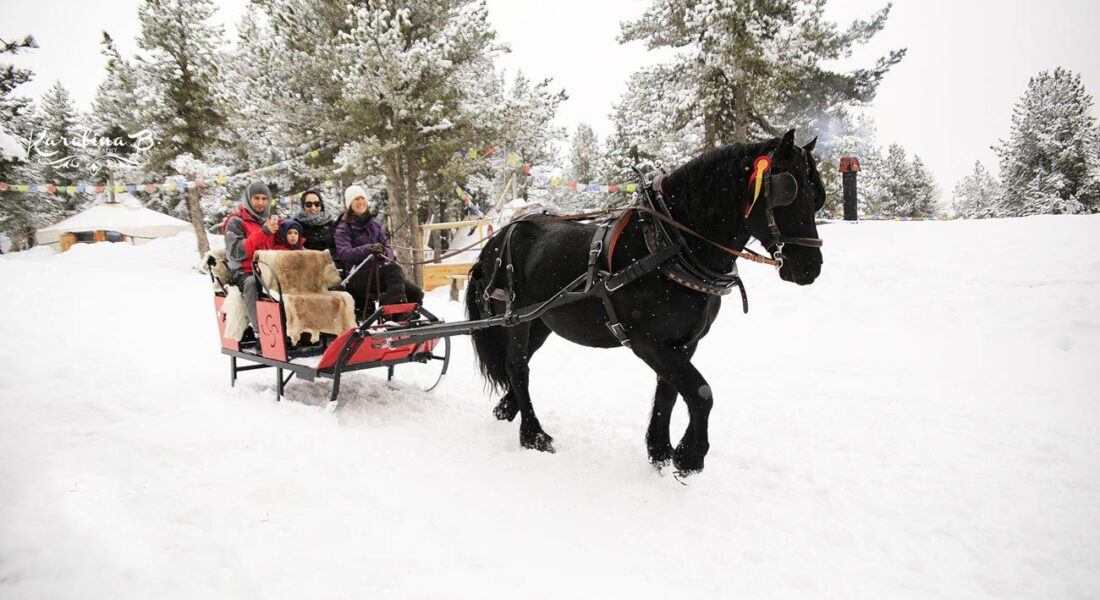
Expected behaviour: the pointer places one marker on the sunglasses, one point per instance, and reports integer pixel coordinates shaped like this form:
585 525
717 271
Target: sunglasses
311 203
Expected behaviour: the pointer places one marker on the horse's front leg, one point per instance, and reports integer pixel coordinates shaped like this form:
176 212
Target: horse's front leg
531 434
674 366
657 440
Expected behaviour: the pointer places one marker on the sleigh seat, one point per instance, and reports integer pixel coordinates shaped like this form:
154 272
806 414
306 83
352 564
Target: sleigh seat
299 280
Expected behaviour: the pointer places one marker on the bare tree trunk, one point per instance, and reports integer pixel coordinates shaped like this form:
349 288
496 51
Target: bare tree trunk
416 235
406 242
194 212
741 114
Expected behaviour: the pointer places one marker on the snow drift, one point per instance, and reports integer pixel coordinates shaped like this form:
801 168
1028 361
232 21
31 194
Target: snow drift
922 422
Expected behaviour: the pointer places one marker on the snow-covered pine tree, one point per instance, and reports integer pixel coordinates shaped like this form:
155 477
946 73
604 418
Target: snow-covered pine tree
585 159
894 175
119 111
924 191
1049 163
181 46
977 196
18 214
407 69
519 120
847 135
58 155
119 103
584 154
751 69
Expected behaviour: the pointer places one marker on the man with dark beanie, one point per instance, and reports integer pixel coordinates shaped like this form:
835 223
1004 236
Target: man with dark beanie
317 225
252 221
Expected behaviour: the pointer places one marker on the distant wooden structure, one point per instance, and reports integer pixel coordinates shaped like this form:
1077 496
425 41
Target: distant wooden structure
438 274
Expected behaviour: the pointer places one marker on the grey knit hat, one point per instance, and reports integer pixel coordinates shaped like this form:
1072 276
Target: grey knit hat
258 187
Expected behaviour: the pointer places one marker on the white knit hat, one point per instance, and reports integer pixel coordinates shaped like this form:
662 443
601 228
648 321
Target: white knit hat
352 193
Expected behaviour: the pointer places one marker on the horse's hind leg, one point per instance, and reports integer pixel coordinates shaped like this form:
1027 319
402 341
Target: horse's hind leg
508 407
674 365
517 355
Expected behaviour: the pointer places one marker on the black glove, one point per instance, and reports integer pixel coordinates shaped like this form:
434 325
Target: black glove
376 249
237 277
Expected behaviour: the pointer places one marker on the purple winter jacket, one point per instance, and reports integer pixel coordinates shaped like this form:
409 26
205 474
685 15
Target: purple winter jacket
353 235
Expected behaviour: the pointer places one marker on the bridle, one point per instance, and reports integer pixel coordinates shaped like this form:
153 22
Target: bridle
778 189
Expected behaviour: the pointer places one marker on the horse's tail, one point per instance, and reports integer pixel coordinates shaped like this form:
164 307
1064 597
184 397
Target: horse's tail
488 342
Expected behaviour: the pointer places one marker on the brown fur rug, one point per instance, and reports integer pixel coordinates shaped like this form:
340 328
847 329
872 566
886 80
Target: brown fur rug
304 277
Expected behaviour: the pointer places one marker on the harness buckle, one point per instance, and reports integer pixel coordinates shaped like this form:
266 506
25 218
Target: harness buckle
619 332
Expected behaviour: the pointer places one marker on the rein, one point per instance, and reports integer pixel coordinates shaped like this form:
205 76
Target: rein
745 254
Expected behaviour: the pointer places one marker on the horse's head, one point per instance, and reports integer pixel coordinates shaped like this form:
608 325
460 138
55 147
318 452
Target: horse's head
784 194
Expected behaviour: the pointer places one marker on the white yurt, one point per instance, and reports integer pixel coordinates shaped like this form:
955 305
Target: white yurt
125 220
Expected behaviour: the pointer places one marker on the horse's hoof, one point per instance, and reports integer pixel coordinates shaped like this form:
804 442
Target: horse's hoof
505 411
539 441
687 463
504 414
660 457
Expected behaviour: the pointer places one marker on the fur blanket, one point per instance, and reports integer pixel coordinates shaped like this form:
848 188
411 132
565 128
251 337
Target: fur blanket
324 312
236 314
304 277
214 263
299 271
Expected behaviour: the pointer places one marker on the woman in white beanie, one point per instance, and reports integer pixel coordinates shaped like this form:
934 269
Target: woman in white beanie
360 239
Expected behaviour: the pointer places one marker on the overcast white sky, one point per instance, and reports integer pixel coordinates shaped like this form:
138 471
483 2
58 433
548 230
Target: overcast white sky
948 101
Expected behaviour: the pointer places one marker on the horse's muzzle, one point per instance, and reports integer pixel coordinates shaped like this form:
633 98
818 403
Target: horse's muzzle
799 271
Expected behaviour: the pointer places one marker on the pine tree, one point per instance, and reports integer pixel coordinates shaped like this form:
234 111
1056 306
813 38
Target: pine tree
924 193
584 155
847 136
181 59
749 69
977 196
370 77
1049 165
654 127
57 153
118 105
19 214
520 120
58 136
120 112
901 188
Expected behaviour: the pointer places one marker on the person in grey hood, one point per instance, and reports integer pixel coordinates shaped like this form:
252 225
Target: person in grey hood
245 229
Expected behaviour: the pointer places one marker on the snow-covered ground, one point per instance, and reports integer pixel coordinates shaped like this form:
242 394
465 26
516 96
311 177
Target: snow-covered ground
922 422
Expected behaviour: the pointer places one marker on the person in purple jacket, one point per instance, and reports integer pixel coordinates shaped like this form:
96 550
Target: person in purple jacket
359 238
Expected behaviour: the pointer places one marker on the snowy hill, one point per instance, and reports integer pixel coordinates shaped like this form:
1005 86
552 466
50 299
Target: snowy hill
922 422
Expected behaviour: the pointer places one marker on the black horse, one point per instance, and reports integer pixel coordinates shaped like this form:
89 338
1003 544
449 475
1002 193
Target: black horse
663 319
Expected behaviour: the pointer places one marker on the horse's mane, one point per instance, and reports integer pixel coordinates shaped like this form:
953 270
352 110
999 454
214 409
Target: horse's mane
710 176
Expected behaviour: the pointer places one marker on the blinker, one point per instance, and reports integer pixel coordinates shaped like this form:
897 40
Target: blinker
784 189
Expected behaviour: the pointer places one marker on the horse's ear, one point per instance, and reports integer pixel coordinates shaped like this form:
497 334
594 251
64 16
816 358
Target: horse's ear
786 145
810 147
